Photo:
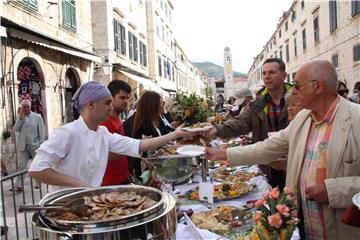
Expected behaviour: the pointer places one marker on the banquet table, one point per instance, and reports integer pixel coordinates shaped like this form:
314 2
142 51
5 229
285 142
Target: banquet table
185 231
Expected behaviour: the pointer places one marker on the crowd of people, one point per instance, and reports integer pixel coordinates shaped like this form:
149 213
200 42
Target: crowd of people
306 136
320 145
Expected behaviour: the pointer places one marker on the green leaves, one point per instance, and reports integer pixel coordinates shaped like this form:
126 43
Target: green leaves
190 109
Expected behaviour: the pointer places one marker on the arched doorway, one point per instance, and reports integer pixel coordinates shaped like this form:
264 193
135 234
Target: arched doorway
30 85
71 85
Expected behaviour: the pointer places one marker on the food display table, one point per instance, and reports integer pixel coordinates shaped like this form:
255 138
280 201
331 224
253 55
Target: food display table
185 231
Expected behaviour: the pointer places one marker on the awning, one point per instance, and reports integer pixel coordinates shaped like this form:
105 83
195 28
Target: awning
148 84
53 45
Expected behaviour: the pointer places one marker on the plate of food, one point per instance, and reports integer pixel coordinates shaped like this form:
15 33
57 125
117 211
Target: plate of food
224 191
224 220
233 175
356 200
190 150
197 127
166 150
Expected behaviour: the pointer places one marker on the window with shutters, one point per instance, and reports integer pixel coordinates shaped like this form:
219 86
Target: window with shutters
356 50
316 29
165 75
295 48
335 60
136 49
130 39
355 7
69 14
332 15
286 25
119 38
159 66
293 16
143 54
280 53
287 54
304 39
31 4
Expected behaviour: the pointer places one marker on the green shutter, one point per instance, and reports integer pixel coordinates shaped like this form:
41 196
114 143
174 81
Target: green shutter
73 15
69 14
136 52
130 45
66 13
123 39
145 55
141 53
115 26
32 4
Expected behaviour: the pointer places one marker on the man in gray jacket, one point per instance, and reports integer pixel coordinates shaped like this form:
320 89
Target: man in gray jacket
267 113
31 135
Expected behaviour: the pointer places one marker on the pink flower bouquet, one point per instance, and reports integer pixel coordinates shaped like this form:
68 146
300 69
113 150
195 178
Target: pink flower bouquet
276 216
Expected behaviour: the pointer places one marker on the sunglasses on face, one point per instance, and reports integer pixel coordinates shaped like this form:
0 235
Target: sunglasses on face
297 86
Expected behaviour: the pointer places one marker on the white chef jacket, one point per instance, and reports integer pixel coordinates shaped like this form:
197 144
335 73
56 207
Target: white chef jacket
77 151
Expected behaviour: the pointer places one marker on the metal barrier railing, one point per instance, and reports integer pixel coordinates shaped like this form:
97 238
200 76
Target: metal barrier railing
18 225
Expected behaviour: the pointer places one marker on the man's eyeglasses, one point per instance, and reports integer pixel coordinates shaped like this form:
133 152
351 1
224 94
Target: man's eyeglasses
297 86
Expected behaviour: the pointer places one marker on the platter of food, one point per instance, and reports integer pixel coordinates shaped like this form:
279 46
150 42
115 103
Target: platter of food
190 150
224 220
197 128
108 205
166 151
232 174
213 164
223 191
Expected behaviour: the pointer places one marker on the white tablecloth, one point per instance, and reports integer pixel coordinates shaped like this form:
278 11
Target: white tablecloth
183 231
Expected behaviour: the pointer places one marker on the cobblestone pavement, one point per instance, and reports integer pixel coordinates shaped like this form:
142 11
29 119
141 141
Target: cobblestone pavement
19 224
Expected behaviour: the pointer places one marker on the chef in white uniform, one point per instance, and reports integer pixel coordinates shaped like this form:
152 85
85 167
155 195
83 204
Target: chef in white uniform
76 154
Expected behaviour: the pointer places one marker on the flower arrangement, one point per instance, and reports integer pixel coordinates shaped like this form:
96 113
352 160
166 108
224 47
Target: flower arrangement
190 109
276 216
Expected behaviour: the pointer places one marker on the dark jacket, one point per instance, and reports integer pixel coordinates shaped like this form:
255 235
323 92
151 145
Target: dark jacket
254 119
134 163
162 127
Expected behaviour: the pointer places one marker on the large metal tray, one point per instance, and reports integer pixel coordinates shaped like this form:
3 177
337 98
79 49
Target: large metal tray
174 168
141 190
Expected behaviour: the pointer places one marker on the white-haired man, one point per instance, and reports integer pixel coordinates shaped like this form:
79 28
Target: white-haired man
31 130
322 143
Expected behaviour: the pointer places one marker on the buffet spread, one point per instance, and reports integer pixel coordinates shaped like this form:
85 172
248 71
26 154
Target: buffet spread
175 210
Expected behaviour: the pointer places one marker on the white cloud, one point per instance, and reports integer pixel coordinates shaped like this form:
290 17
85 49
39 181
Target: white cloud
204 28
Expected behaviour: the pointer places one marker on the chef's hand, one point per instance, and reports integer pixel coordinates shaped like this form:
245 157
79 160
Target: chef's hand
209 133
215 154
180 133
317 192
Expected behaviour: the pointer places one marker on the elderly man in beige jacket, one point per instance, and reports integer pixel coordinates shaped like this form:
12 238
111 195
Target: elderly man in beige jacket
323 145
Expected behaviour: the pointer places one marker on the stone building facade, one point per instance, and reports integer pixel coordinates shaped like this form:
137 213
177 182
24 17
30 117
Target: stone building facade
46 54
315 30
136 38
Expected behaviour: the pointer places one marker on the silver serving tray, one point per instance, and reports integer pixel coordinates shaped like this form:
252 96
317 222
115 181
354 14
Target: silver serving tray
174 168
141 190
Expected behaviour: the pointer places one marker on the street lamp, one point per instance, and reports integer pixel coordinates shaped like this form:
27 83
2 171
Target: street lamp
107 67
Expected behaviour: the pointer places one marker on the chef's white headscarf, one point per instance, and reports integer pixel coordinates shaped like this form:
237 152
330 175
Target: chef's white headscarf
90 91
